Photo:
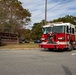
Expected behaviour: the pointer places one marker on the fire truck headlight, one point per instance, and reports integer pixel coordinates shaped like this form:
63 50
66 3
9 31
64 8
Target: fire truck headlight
61 38
42 38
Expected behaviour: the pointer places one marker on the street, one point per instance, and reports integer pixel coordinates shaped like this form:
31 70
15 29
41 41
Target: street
37 62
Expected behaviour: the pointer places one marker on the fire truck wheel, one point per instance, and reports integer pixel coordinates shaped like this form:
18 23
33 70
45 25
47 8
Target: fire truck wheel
70 48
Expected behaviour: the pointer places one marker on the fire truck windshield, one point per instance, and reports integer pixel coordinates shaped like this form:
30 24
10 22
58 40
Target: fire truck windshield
58 29
47 30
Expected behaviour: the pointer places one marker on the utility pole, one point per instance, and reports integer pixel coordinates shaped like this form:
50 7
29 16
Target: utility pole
45 12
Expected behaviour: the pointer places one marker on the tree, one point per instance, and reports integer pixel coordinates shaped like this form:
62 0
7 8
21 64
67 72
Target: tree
36 31
13 15
24 34
27 34
67 18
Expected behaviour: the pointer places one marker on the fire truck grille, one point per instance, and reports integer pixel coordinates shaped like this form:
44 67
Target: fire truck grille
52 39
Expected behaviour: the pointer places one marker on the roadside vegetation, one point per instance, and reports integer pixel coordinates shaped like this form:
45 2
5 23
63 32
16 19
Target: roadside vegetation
26 45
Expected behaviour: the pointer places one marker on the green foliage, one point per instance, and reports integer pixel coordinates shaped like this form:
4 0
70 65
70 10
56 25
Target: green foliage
24 34
36 31
67 18
27 34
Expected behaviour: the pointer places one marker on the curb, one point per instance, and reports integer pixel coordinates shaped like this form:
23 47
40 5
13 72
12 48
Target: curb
22 49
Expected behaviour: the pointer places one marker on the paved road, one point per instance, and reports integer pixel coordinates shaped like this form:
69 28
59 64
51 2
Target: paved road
37 62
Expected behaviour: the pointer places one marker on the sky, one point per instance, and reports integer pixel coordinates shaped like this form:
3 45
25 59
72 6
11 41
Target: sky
55 9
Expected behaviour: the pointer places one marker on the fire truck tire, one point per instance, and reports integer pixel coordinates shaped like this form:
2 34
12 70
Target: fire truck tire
70 48
74 48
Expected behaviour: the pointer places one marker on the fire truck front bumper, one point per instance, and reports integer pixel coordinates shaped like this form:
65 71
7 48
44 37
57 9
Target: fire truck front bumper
53 46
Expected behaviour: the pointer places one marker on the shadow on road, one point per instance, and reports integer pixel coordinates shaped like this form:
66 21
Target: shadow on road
52 50
67 70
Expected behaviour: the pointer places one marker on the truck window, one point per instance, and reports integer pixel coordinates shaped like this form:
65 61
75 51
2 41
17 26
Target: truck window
46 30
73 30
70 30
58 29
67 29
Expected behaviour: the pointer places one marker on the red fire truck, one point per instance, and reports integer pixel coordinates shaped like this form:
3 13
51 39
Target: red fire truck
58 36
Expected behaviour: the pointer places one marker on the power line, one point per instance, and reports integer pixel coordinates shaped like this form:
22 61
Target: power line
46 9
57 4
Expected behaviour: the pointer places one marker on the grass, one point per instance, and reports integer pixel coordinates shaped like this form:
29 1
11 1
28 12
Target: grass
27 45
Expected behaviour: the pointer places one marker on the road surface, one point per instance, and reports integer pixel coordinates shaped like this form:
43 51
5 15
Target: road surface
37 62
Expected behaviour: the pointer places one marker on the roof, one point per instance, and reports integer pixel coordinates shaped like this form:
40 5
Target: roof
48 25
65 24
59 24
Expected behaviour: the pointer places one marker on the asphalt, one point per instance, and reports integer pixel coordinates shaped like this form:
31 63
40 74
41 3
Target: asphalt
37 62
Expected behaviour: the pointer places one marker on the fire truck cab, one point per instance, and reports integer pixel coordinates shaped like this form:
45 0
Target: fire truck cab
58 36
